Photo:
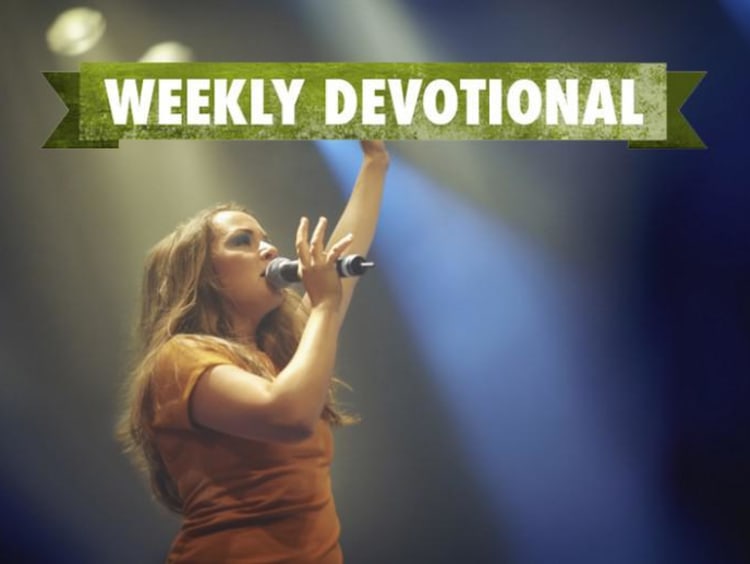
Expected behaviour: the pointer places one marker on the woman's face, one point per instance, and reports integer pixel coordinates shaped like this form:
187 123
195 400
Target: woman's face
241 252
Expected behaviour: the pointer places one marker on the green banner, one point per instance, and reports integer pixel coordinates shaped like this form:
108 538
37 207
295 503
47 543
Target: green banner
635 102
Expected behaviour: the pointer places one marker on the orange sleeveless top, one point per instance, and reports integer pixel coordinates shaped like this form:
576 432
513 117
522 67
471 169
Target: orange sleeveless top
244 501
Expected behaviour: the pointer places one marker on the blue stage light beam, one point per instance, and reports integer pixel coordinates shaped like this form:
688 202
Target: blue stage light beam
499 327
739 10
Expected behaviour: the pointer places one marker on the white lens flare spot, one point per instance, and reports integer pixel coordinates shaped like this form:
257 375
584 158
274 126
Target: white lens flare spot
168 52
75 31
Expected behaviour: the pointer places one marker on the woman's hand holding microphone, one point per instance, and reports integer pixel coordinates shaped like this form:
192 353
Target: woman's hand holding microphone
317 267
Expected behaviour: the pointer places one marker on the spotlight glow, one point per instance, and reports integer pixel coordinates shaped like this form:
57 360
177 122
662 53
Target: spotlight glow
505 331
75 31
739 10
168 52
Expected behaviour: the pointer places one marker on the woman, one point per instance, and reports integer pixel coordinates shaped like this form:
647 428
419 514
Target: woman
230 404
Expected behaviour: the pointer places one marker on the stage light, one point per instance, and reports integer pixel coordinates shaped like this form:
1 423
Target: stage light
739 10
75 31
168 52
505 331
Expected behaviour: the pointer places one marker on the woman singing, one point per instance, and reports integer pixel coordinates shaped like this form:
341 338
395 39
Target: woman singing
230 404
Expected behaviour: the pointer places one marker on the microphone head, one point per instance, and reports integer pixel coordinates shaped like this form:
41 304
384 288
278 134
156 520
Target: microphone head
281 272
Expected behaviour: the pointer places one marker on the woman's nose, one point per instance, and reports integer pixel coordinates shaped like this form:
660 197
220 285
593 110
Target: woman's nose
268 251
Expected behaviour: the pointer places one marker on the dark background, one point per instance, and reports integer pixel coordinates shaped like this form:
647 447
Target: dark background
656 242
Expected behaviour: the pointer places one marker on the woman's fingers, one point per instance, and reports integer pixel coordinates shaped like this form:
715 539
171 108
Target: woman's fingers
316 241
339 247
375 150
303 251
370 147
314 252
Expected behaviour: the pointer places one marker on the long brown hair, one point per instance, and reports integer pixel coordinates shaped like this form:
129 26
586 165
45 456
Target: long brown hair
179 296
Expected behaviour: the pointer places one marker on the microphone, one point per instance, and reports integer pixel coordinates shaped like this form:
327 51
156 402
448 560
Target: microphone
282 272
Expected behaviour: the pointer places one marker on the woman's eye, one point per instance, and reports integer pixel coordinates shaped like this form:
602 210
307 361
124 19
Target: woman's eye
242 239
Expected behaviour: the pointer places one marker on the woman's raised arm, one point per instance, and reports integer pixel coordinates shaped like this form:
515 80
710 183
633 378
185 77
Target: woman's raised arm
360 216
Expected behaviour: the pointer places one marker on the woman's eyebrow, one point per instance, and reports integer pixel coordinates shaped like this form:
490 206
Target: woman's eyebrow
240 230
264 235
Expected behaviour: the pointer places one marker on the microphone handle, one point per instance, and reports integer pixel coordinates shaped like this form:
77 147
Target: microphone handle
283 271
353 265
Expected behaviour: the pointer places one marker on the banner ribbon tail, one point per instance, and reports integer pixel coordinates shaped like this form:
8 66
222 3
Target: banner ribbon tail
66 135
680 134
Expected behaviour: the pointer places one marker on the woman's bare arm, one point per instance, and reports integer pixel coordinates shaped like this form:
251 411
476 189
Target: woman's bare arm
360 216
